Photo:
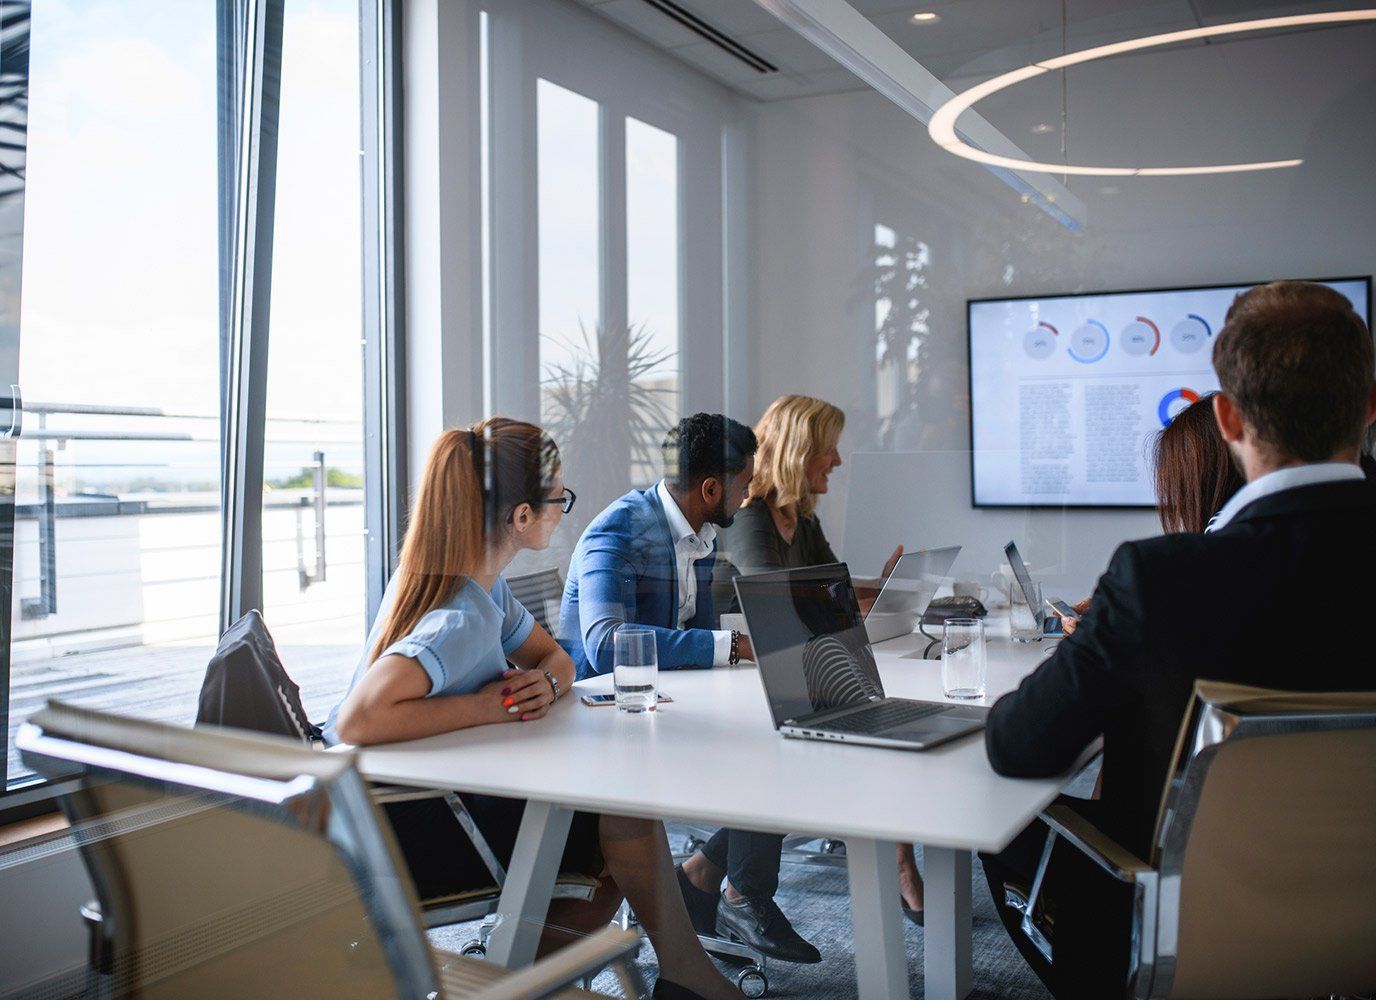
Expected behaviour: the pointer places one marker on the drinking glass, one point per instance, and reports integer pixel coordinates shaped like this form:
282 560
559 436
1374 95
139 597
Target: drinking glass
635 668
1022 614
964 663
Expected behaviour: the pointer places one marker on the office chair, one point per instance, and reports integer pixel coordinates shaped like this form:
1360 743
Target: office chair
540 593
1262 876
247 687
232 865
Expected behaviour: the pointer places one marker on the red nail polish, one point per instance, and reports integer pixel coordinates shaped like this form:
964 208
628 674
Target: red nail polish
508 702
506 690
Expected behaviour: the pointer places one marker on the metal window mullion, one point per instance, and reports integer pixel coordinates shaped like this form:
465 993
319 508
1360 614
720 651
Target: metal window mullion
384 417
255 203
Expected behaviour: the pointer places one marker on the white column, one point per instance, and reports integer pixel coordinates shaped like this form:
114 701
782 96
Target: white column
442 204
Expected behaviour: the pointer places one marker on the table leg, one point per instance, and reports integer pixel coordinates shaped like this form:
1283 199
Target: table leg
947 939
881 961
529 884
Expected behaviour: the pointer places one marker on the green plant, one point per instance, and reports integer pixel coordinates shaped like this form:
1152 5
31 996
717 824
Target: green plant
607 412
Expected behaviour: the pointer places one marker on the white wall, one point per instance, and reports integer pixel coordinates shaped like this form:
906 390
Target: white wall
827 168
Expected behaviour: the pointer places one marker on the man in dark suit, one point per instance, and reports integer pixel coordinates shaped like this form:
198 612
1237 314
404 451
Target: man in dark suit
1295 364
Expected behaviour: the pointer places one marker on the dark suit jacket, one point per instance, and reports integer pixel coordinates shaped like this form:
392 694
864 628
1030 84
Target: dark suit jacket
1232 606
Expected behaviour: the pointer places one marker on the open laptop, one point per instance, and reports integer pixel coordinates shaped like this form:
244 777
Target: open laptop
819 672
907 592
1023 580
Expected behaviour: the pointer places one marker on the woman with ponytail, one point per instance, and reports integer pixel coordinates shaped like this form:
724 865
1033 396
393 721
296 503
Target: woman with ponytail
452 648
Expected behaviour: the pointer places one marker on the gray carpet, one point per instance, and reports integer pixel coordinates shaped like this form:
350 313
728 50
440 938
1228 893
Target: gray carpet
818 903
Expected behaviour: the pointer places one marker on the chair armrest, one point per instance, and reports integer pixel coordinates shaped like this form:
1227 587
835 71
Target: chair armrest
1096 845
383 794
566 966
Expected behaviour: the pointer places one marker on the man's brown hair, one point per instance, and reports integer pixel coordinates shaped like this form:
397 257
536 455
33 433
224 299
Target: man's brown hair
1298 362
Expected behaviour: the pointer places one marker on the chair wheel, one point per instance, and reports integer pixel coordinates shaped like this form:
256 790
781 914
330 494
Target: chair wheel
752 983
833 847
476 949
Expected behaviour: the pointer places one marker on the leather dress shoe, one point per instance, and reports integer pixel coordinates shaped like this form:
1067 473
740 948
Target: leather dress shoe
762 925
702 905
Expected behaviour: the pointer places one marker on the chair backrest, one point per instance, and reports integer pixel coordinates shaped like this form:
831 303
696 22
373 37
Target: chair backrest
246 686
232 865
1266 848
540 592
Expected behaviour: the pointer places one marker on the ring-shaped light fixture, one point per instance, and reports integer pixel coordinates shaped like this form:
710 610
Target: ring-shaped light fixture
942 126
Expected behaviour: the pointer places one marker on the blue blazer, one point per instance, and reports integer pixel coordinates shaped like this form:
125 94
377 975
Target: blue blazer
624 571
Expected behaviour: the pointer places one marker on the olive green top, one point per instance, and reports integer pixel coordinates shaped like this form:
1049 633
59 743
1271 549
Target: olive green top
753 544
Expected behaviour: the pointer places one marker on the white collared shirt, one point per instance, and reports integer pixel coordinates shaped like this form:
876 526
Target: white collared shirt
689 547
1281 480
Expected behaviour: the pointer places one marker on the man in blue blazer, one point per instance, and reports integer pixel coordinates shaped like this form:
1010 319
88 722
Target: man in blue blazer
647 559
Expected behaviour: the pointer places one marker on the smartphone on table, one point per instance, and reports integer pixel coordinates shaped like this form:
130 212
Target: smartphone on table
610 699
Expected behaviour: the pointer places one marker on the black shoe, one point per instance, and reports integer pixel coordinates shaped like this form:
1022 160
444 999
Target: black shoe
762 925
702 905
665 990
914 915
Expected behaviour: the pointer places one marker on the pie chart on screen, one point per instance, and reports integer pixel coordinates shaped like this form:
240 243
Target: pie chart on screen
1173 402
1089 343
1040 341
1140 337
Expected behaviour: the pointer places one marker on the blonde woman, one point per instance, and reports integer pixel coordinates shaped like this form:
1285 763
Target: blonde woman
452 648
777 528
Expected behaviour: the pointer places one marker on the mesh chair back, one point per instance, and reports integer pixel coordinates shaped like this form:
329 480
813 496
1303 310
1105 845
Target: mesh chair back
540 594
1268 837
232 865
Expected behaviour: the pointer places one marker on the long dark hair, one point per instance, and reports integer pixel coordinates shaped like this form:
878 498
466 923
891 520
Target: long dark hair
1195 472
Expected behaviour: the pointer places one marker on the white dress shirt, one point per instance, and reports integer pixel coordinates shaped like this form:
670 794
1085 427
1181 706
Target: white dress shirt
1281 480
689 547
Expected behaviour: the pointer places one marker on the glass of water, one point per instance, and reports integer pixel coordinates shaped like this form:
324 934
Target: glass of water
964 662
1022 613
635 668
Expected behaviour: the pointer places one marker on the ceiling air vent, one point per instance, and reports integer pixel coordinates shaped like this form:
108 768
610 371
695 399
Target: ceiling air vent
705 31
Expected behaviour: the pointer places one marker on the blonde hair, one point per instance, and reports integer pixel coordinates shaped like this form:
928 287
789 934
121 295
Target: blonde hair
473 480
793 430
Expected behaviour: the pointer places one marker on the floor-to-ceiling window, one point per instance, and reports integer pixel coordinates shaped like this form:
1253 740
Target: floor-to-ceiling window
194 243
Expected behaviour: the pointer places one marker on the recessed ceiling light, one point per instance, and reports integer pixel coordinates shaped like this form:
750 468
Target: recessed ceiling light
925 17
942 125
1042 128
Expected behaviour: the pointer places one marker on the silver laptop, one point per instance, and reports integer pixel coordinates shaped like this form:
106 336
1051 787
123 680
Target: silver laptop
819 672
907 592
1023 580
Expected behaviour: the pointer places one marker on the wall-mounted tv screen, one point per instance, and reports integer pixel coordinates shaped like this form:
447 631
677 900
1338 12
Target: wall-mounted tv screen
1068 392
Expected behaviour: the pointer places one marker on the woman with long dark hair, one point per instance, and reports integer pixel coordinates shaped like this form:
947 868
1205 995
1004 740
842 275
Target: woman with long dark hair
452 648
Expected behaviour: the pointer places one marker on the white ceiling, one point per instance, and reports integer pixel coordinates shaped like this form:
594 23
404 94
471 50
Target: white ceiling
973 39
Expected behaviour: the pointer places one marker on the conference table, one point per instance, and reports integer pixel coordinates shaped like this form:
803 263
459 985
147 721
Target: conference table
712 757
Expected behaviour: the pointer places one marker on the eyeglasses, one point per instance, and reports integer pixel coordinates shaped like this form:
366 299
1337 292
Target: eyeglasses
567 498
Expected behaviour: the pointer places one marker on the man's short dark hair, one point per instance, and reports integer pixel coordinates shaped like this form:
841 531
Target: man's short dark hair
706 445
1298 362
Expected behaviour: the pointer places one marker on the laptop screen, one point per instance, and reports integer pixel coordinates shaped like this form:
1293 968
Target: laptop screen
809 641
1023 578
910 588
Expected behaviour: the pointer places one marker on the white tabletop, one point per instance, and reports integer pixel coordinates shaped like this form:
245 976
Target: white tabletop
713 755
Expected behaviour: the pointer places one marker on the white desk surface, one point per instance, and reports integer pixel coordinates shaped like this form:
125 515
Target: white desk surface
713 755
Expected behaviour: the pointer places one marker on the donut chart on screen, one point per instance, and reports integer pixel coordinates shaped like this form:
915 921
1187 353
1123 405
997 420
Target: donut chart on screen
1038 343
1191 334
1173 402
1089 343
1140 337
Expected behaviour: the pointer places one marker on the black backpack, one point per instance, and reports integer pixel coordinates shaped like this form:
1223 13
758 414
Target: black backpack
246 686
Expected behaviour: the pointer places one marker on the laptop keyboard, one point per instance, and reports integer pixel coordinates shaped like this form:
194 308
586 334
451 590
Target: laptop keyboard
885 715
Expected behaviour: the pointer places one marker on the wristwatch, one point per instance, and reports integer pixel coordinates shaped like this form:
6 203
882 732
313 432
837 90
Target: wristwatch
735 657
553 683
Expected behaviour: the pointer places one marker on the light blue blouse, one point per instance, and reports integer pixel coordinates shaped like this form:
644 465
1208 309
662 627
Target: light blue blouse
462 645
